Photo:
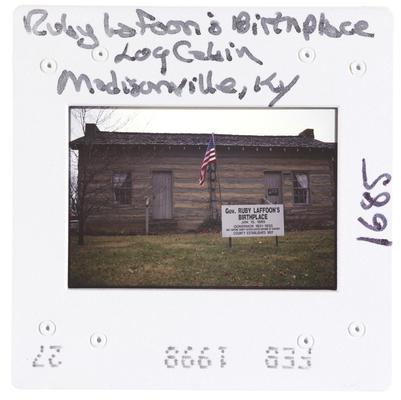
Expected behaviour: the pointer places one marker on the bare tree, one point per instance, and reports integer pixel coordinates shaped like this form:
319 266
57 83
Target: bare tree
87 195
91 192
104 118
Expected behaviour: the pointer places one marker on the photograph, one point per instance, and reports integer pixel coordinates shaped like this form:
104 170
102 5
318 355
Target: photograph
199 198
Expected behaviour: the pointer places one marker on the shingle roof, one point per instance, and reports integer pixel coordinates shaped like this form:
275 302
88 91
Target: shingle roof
199 139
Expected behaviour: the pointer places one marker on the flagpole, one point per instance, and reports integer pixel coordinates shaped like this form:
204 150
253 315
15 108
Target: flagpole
217 175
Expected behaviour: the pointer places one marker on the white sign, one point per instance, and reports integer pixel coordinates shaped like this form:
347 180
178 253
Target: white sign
252 220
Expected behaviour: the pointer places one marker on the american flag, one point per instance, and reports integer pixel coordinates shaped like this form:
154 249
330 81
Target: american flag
210 157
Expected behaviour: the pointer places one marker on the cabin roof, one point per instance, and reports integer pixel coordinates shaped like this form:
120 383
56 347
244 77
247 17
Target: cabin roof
198 139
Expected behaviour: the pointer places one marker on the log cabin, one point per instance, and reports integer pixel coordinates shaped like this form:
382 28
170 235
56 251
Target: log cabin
124 175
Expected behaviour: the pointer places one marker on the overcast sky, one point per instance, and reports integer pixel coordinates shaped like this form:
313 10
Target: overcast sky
238 121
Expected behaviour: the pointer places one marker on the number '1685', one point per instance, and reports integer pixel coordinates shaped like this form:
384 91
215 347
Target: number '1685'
379 221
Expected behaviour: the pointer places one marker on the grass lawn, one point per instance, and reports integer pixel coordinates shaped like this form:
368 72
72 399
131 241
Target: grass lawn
305 260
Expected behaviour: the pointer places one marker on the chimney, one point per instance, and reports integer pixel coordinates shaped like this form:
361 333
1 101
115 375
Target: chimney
90 131
307 133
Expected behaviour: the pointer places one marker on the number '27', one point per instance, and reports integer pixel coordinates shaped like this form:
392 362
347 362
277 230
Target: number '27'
379 221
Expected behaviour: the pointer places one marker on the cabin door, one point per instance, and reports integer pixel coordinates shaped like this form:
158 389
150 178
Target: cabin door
162 205
273 187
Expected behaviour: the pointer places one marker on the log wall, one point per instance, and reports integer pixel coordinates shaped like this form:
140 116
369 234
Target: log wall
241 175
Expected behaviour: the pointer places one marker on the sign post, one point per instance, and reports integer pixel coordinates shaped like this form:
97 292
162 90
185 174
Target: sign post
252 220
147 204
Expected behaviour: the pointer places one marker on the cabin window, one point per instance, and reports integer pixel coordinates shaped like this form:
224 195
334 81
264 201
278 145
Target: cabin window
273 188
301 188
122 187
